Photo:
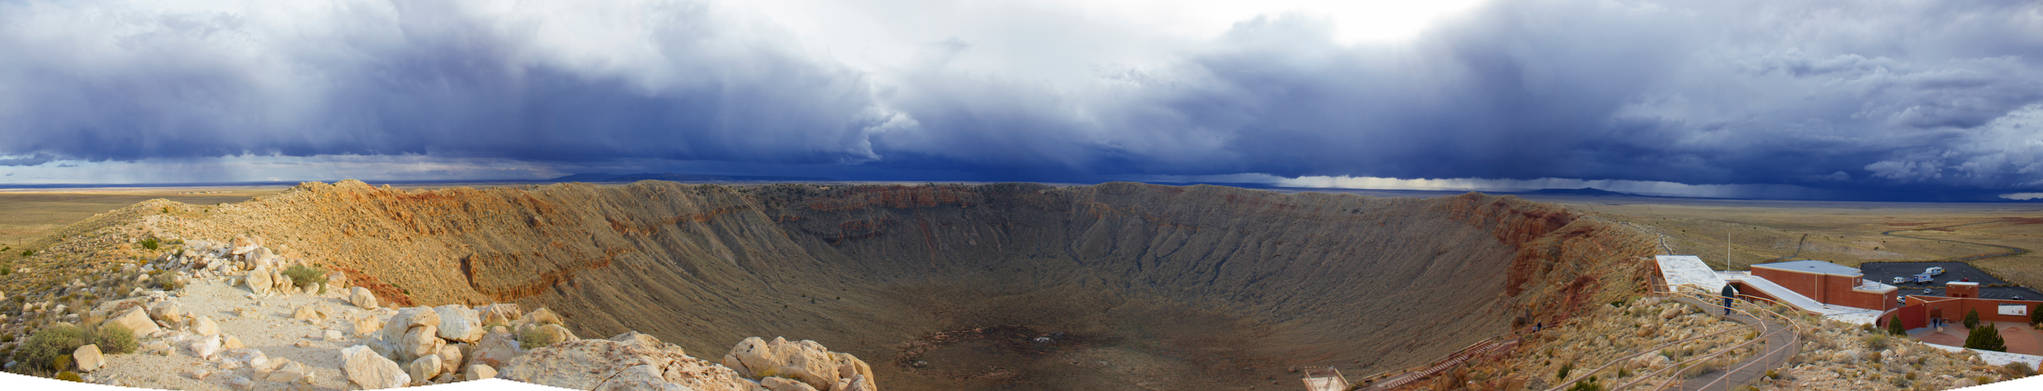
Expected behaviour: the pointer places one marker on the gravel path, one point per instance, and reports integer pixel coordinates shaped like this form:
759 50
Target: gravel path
263 323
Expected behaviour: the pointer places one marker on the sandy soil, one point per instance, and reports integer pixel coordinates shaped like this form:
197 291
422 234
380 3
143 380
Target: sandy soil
29 214
1847 233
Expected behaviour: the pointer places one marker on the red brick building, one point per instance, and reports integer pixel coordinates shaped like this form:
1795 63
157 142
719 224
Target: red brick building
1961 297
1828 283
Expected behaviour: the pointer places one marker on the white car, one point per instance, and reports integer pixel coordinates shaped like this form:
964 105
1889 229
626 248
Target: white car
1900 279
1934 270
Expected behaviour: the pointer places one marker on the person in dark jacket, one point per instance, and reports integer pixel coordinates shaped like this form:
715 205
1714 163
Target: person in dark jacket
1729 293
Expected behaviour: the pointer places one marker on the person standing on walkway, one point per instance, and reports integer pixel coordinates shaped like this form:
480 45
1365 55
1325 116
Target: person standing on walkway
1729 293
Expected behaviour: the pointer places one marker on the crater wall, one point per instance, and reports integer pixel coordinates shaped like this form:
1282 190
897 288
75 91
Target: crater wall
1140 285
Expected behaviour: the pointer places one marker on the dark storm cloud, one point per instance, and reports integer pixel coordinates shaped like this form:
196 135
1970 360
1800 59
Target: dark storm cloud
1889 95
415 77
1896 95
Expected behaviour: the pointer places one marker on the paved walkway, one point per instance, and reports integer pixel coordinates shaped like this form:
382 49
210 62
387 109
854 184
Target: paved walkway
1782 342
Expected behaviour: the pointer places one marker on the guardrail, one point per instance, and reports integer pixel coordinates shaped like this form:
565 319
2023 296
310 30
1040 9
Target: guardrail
1774 357
1770 356
1705 300
1452 360
1683 365
1655 349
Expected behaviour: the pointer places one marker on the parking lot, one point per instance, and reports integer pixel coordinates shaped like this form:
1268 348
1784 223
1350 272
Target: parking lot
1884 272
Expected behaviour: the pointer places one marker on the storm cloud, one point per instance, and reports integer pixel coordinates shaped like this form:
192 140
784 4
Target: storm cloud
1894 96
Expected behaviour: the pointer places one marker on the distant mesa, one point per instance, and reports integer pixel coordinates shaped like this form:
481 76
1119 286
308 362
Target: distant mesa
1583 191
619 178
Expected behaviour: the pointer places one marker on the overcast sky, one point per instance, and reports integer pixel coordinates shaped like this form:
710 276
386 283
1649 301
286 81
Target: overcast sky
1768 98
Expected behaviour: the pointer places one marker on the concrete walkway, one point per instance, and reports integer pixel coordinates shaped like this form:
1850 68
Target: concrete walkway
1781 344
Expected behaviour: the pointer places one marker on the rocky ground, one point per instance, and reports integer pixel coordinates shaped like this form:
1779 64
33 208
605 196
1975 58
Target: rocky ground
1839 356
232 317
1672 331
1833 355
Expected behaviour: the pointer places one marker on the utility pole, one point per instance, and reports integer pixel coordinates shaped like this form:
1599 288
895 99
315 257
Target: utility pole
1727 249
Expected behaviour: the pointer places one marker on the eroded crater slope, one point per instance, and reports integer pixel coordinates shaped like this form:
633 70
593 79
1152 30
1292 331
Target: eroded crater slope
1021 286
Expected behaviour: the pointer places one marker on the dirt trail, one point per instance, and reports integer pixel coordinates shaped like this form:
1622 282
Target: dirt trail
2008 251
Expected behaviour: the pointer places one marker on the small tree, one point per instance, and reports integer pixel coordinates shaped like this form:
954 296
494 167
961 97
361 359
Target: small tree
2036 314
1894 326
1971 319
1985 338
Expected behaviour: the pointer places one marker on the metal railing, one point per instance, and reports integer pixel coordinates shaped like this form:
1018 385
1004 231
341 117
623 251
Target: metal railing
1452 360
1770 356
1773 357
1627 357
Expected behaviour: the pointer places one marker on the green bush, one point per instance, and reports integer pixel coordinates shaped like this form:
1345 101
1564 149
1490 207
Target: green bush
2036 314
165 280
112 338
1565 368
1586 385
1985 338
27 253
1894 326
1971 319
151 243
1876 342
304 276
534 338
70 376
2017 370
47 343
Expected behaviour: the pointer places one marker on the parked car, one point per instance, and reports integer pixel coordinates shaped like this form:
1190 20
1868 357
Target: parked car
1900 279
1922 278
1934 270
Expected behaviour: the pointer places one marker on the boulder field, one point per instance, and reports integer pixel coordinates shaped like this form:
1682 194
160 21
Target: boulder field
399 347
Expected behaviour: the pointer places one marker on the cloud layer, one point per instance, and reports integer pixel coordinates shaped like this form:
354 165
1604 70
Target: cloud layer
1886 95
